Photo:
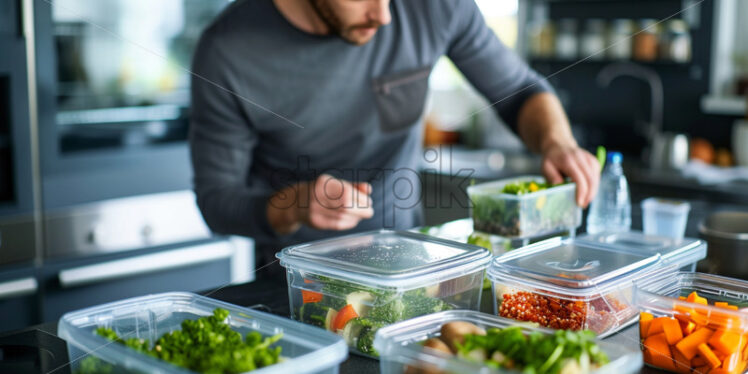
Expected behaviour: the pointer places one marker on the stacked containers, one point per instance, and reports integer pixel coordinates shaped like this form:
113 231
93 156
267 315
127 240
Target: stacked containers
400 347
355 284
307 350
683 253
525 215
693 322
567 284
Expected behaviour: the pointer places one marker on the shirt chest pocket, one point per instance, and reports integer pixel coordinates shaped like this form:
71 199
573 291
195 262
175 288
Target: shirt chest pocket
401 98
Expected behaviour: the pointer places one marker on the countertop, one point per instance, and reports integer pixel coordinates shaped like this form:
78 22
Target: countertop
269 293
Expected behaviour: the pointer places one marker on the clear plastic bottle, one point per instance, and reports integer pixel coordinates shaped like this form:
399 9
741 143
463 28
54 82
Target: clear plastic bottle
611 209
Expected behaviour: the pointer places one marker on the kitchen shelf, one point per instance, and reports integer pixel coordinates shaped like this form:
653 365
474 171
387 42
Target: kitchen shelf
724 105
557 61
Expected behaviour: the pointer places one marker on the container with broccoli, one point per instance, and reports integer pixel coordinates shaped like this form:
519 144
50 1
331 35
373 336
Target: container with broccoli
524 207
186 333
356 284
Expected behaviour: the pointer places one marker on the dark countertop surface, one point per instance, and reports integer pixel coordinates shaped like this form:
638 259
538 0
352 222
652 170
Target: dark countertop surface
268 293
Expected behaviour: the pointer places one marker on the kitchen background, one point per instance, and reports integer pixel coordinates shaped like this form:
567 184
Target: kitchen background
95 200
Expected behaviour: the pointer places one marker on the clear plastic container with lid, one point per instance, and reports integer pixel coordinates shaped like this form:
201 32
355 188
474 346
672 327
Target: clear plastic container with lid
568 284
402 352
355 284
462 231
693 322
535 212
683 253
305 349
665 217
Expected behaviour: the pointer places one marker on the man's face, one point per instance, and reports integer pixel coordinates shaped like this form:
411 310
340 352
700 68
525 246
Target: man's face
356 21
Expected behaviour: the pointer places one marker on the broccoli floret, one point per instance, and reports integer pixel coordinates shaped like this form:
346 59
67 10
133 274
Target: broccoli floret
418 305
366 341
388 313
313 314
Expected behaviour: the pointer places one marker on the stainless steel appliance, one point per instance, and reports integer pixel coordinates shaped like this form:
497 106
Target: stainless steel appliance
95 190
727 236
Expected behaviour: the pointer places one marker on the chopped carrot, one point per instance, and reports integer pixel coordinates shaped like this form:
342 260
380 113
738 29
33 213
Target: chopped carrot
644 320
730 363
702 369
681 297
709 355
659 351
687 328
310 296
655 327
719 371
732 307
682 364
725 342
345 314
721 304
698 361
689 345
672 331
692 297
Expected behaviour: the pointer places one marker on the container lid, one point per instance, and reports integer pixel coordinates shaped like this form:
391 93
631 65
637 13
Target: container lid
680 252
569 266
495 188
386 259
667 205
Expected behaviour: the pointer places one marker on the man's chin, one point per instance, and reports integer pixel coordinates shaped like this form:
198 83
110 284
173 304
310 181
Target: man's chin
360 36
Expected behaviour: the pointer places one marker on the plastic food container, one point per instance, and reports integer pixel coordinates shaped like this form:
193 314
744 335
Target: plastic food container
527 215
693 322
399 347
683 253
307 350
462 231
355 284
664 217
567 284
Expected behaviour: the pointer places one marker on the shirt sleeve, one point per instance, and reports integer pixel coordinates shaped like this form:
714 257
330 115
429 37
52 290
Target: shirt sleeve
222 140
492 68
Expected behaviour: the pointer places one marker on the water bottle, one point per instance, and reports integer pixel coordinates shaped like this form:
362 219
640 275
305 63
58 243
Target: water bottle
610 211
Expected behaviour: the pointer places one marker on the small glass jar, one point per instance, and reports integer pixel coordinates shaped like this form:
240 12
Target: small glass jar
619 39
542 39
567 44
646 41
675 43
593 40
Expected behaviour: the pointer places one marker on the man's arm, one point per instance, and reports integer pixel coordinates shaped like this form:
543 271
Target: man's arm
543 126
522 98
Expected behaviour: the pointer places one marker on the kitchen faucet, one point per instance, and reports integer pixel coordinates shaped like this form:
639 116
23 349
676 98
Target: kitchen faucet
666 151
612 71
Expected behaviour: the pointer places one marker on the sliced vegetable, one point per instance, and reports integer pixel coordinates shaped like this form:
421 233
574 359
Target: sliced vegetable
330 319
360 301
725 341
344 315
689 345
655 327
709 355
659 351
645 319
310 296
672 330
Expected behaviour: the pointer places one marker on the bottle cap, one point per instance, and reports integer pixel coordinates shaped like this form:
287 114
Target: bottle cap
615 157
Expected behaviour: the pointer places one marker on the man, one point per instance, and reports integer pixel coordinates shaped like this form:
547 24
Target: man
306 113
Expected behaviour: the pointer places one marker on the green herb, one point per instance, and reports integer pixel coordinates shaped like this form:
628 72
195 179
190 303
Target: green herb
205 345
601 154
537 352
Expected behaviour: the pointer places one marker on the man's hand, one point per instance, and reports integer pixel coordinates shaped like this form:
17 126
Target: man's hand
543 126
326 203
581 166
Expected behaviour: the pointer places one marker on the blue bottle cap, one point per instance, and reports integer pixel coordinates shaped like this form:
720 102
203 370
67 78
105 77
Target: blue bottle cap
615 157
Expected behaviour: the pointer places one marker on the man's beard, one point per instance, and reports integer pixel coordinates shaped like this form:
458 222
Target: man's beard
328 16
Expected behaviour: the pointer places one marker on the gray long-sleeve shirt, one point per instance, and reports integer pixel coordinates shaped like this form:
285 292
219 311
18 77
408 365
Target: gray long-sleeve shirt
272 105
